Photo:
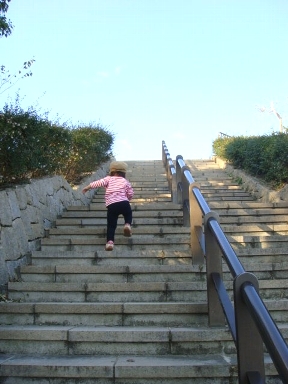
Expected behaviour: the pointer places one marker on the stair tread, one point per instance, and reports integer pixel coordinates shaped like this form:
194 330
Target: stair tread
129 366
127 286
93 307
210 332
113 269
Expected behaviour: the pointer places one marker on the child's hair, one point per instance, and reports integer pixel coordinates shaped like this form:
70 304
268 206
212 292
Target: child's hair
118 173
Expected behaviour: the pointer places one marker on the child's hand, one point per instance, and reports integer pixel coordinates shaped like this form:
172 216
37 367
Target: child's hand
84 190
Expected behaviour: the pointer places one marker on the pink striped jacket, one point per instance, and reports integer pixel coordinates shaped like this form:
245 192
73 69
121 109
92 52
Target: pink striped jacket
117 189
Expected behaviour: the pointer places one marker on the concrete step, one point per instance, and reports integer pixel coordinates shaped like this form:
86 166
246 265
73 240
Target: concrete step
265 270
214 179
130 291
140 273
270 256
270 219
227 197
137 242
139 230
138 185
222 193
108 292
220 186
161 240
123 340
101 220
160 213
168 314
257 212
246 241
119 340
144 177
225 183
253 229
99 206
123 369
247 205
251 213
116 257
142 182
110 273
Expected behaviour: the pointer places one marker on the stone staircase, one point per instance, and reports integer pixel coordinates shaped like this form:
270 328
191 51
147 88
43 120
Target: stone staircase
138 314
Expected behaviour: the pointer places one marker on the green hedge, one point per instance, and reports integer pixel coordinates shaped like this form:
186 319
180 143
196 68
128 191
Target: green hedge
264 156
90 147
32 146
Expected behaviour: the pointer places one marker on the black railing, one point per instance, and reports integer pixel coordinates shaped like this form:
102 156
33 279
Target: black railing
248 319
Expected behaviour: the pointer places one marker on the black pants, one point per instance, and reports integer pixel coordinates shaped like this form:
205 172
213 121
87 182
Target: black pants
113 212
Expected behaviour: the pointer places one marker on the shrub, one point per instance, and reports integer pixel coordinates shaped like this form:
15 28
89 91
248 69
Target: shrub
262 156
91 146
32 146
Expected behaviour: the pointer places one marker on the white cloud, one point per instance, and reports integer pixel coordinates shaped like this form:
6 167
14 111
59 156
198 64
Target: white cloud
178 136
126 144
103 74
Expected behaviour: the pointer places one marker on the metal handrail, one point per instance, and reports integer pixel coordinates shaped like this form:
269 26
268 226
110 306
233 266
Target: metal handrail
273 339
249 320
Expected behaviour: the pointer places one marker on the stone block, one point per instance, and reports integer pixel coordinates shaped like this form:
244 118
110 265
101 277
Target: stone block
5 210
14 205
21 195
27 210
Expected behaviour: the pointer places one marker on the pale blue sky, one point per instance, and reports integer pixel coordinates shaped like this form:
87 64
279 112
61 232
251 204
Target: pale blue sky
151 70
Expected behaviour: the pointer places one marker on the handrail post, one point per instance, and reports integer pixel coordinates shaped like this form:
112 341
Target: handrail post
250 348
173 183
213 265
179 180
164 150
196 227
170 172
185 197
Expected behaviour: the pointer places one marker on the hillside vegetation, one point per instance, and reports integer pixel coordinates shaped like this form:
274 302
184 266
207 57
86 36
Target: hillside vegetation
31 146
265 157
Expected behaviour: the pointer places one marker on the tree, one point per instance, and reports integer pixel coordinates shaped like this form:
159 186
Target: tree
5 25
7 80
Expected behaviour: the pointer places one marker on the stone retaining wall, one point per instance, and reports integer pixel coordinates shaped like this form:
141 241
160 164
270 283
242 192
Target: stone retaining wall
27 210
258 189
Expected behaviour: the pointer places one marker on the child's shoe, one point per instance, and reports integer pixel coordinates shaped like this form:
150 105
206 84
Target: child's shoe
109 246
127 230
